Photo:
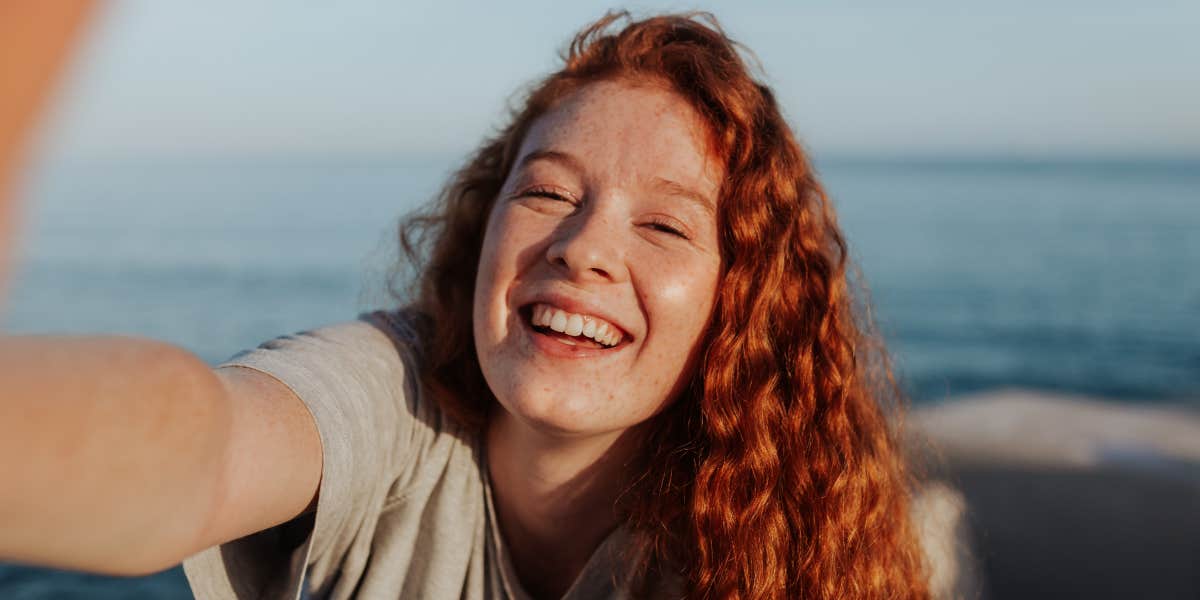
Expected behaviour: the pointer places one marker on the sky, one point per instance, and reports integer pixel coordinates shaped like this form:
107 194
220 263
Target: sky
1024 78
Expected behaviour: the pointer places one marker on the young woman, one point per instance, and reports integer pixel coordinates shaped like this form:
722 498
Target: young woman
633 369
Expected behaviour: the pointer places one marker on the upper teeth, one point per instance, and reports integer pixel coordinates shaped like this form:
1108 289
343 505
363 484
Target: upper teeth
573 324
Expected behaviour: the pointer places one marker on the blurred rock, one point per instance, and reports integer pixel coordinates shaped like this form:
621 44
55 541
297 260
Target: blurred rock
940 513
1065 497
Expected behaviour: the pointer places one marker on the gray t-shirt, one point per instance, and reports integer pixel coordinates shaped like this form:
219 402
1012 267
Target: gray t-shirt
404 508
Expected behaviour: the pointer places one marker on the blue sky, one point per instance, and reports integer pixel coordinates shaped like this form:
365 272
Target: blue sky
413 79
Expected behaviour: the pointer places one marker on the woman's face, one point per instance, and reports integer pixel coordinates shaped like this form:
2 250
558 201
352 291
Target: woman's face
600 261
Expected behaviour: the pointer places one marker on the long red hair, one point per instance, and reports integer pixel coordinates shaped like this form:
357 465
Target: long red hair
777 473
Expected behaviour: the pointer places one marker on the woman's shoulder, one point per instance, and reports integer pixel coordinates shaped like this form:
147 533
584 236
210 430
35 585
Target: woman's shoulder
402 325
381 334
360 379
388 456
375 354
383 434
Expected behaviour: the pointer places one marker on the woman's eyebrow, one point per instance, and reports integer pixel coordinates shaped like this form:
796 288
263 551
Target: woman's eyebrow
558 156
674 188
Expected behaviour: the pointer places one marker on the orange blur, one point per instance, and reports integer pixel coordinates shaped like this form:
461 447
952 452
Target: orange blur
36 36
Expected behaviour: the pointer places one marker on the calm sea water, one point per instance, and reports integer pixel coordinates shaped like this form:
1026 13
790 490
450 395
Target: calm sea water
1081 277
1071 276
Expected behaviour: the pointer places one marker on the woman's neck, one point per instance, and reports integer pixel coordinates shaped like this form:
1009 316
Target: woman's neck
555 498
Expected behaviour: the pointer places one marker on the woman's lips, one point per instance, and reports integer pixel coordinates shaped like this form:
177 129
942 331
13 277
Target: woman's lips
583 327
561 344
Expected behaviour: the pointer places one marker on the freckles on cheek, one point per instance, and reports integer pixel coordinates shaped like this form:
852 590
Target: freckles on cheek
685 282
676 292
691 290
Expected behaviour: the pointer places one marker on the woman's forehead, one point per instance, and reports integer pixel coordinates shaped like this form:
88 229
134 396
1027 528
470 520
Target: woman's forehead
618 128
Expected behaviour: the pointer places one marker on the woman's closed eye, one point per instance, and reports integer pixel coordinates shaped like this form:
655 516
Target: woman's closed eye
554 199
668 226
550 193
546 199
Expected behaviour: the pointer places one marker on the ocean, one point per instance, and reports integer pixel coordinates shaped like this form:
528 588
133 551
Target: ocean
1074 276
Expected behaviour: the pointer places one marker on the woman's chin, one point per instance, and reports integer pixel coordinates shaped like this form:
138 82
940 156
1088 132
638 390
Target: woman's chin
564 414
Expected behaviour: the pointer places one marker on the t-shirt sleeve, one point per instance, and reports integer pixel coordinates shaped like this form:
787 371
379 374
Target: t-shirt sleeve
355 380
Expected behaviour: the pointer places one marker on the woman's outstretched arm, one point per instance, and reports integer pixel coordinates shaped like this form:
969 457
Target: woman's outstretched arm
124 456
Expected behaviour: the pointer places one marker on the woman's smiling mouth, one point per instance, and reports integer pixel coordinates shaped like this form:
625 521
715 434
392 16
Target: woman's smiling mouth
565 328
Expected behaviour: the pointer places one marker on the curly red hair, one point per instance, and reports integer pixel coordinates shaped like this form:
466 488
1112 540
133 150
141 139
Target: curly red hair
777 473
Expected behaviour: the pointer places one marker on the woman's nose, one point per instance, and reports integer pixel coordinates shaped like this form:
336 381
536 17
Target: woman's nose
587 246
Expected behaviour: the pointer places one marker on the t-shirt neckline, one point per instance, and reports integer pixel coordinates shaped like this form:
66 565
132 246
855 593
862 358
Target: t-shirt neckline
508 573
